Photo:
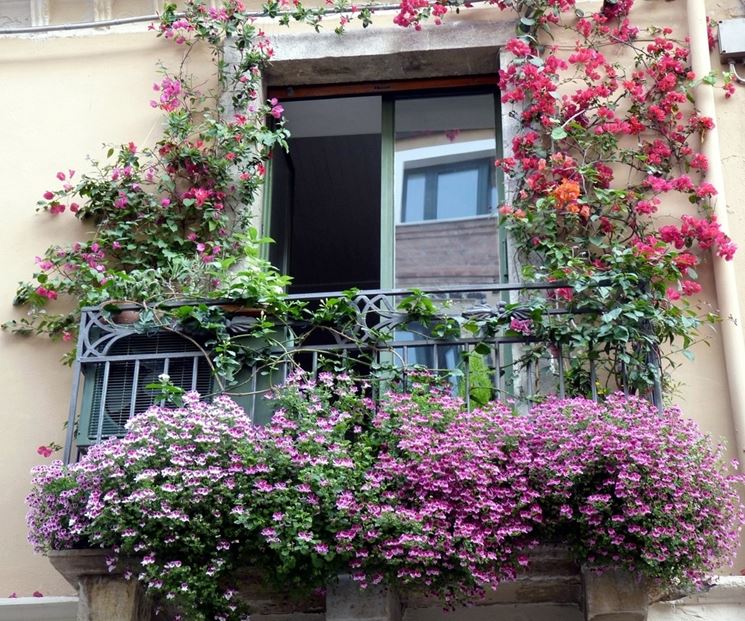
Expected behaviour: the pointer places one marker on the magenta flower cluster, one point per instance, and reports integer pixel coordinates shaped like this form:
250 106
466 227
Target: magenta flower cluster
627 486
449 504
412 490
456 498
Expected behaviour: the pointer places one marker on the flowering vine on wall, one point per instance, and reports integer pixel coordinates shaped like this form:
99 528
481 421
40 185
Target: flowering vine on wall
601 144
171 220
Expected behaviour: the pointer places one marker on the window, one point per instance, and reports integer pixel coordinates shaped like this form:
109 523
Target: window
15 14
380 191
118 364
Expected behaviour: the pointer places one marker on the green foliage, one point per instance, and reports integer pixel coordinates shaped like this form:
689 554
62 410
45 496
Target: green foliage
170 221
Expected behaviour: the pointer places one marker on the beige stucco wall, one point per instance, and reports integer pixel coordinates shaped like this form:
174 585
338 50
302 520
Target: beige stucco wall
703 390
61 96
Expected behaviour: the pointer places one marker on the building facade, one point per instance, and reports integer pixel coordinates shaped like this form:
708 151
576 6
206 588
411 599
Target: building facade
67 91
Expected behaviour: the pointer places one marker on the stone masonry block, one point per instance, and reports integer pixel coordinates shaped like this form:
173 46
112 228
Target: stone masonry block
111 599
103 595
346 601
615 595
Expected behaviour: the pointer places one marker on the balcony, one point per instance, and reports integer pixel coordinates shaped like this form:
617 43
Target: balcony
496 341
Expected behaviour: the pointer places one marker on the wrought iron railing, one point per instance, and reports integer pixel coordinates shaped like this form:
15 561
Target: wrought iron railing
479 337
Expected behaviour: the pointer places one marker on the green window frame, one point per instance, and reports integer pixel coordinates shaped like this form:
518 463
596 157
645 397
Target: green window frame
391 92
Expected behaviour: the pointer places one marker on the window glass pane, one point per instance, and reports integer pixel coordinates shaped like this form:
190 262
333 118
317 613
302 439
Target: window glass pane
15 14
446 230
413 209
131 8
457 194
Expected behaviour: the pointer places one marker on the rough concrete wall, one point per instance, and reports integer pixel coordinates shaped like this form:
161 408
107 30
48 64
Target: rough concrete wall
499 612
723 602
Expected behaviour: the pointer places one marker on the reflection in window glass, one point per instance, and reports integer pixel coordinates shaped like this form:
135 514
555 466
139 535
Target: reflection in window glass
414 198
445 191
457 194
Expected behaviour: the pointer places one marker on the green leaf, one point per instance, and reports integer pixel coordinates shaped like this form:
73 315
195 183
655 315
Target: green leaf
558 133
597 240
482 349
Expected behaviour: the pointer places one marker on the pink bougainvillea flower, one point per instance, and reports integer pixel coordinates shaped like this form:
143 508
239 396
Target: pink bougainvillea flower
705 190
277 108
523 326
50 294
690 287
518 47
201 196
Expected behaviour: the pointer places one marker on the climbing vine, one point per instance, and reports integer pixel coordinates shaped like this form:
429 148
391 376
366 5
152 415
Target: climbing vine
601 146
171 220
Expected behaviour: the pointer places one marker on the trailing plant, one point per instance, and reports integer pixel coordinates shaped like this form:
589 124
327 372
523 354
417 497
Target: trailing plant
199 491
411 490
448 506
625 485
172 220
600 146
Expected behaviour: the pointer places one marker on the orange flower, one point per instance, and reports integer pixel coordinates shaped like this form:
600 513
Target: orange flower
565 193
